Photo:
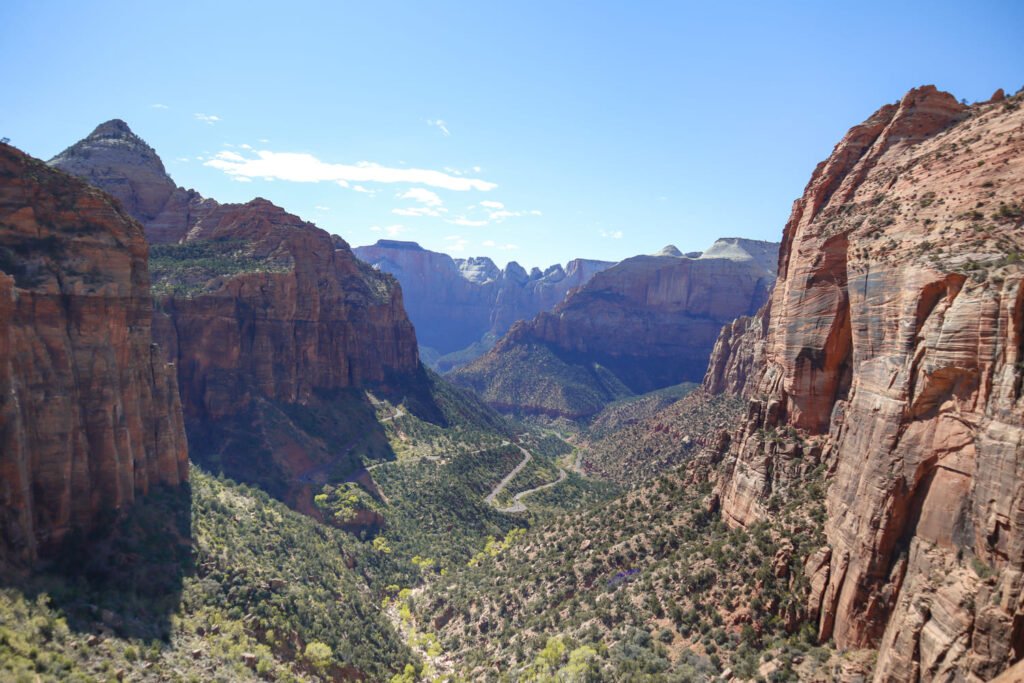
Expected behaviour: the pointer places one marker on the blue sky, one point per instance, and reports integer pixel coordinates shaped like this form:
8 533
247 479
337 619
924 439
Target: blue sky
528 131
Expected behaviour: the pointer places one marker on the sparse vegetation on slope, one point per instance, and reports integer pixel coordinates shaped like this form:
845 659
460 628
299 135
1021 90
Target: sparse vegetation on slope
230 585
198 266
651 586
634 409
646 448
533 379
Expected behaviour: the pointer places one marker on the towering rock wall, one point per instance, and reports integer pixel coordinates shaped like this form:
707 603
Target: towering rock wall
268 318
455 303
894 342
297 314
89 409
653 320
646 323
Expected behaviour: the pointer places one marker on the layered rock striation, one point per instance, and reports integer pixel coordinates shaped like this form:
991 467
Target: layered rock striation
272 323
646 323
117 160
89 412
456 303
892 354
288 312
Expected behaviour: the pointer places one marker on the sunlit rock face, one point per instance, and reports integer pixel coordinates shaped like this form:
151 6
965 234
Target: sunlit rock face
895 340
257 308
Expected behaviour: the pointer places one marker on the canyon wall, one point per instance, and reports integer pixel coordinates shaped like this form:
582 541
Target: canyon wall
456 303
646 323
894 346
89 410
269 320
297 314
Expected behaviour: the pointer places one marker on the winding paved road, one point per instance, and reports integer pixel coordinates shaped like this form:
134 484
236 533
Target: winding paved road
509 477
517 502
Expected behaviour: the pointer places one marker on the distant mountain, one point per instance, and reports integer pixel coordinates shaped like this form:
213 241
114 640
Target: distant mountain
647 323
461 306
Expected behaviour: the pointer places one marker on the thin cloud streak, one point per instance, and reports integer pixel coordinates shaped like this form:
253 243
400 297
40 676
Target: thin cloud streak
306 168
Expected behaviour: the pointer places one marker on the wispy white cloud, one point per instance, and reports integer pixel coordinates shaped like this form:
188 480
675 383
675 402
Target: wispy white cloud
419 211
231 156
423 196
494 212
440 125
322 208
364 190
611 234
390 230
208 119
306 168
503 247
456 242
467 222
158 106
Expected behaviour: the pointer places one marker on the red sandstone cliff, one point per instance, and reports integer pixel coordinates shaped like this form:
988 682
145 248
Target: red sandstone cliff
89 410
300 314
894 341
268 318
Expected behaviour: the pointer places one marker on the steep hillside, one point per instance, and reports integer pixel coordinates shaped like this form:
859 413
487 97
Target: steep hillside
647 323
641 449
652 586
895 334
461 306
89 411
212 582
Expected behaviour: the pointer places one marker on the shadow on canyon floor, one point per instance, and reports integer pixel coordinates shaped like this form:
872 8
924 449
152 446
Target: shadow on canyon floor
126 579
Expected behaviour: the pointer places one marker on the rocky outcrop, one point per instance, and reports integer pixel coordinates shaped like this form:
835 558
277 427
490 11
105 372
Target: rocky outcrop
297 313
113 158
894 345
648 322
456 303
270 321
89 410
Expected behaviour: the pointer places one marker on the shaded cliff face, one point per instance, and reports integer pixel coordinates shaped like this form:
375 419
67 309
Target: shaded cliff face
272 322
455 303
894 342
646 323
89 409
